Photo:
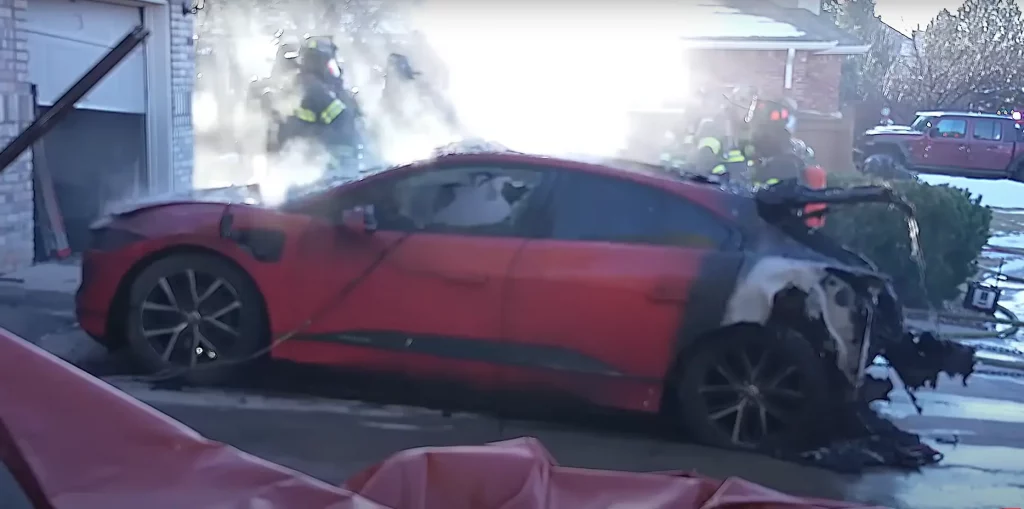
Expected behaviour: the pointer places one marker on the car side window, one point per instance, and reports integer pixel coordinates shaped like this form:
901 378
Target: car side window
951 128
464 200
605 209
988 130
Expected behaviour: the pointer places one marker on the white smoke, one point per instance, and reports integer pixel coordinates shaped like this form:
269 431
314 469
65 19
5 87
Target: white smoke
537 77
556 77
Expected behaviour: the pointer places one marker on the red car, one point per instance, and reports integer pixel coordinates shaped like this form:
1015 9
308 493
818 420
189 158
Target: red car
977 145
507 271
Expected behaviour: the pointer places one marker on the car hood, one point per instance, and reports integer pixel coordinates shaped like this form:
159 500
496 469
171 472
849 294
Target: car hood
892 130
249 195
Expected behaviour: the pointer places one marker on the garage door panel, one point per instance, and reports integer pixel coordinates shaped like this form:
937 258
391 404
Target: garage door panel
66 38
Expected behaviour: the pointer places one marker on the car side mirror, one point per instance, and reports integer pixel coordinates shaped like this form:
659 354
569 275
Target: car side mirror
359 220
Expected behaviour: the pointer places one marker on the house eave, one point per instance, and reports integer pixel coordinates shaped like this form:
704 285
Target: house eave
846 50
773 45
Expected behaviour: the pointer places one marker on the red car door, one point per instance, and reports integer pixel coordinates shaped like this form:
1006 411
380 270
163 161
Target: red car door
598 304
947 144
430 303
988 152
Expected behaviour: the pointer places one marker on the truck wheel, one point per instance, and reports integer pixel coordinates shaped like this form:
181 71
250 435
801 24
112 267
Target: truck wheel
881 165
886 166
1018 173
750 388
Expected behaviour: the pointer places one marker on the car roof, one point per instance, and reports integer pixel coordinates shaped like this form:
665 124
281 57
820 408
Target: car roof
960 114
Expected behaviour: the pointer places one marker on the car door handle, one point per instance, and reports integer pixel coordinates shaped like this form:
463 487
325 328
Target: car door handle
667 293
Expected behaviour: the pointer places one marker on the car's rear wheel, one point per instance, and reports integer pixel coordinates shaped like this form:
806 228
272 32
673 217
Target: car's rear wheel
196 315
749 388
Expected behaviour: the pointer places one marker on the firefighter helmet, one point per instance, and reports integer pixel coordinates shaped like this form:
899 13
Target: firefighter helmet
318 54
770 113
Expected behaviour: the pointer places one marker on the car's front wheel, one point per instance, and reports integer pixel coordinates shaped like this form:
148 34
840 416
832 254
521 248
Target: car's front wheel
750 388
886 166
196 315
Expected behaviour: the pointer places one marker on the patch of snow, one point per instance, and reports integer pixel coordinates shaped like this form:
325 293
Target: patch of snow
1014 241
994 193
713 21
1011 268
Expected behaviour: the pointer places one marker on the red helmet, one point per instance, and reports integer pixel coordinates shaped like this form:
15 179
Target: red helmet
771 113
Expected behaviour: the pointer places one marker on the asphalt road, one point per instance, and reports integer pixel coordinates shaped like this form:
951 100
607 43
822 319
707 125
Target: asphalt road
335 438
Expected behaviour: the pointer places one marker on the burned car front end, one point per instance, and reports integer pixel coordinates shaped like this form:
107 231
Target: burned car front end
802 281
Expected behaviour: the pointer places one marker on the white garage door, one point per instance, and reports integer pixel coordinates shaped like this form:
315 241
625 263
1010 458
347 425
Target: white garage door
65 39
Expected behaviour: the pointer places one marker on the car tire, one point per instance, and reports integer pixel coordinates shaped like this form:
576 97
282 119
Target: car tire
886 166
793 406
230 318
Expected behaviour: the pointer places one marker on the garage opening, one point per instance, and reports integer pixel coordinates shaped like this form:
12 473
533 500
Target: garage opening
98 154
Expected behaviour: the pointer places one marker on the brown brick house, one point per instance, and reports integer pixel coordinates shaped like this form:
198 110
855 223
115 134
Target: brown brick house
783 47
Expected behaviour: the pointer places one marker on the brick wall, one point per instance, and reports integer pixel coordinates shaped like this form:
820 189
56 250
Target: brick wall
183 72
815 77
16 111
816 81
765 70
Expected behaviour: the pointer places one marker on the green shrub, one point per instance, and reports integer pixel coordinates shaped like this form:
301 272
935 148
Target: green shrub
954 228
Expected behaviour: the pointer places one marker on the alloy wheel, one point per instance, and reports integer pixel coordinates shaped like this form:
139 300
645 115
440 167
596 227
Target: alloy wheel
753 394
191 317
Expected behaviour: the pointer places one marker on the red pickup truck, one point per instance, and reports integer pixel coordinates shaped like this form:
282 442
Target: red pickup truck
963 144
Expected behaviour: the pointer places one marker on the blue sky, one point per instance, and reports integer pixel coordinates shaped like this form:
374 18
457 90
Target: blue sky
906 15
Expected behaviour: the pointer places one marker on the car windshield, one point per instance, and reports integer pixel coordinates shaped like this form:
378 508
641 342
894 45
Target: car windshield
922 123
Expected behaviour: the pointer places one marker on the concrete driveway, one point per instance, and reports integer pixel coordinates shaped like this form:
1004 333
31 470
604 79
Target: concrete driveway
332 439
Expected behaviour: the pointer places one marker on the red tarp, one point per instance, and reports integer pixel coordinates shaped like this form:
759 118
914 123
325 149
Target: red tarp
89 446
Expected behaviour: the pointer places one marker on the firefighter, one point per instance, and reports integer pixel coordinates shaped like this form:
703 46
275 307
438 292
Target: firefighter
782 157
322 112
710 137
399 78
734 164
720 145
708 150
409 95
771 145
